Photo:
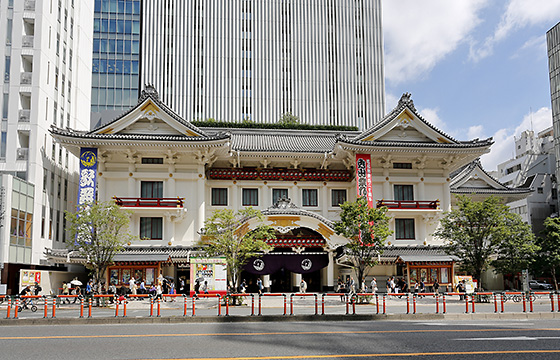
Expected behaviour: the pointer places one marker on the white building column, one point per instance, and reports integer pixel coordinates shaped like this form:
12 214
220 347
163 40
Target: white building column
200 188
421 187
170 191
296 279
386 186
446 203
330 270
101 188
132 192
324 201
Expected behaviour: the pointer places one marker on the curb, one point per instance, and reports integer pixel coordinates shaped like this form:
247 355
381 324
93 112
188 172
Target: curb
275 318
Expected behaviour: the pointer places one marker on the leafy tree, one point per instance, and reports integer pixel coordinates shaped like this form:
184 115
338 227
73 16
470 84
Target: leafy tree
226 233
289 119
516 252
99 231
367 230
478 230
547 261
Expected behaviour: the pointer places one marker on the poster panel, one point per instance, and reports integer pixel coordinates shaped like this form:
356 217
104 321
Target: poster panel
88 176
211 270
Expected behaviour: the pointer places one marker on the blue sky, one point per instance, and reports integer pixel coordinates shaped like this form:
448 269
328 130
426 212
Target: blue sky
475 68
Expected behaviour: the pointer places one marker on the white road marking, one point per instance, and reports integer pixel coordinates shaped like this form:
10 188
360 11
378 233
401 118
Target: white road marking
512 338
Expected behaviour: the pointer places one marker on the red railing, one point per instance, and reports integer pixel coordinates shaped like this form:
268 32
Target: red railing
408 204
149 202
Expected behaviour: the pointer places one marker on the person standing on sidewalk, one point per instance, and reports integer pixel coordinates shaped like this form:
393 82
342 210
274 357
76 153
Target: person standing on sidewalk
302 286
436 287
260 285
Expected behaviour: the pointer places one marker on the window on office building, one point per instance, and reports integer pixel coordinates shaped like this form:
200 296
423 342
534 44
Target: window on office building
151 228
309 197
404 229
250 197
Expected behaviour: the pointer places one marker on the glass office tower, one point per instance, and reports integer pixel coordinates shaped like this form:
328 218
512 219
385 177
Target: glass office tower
116 54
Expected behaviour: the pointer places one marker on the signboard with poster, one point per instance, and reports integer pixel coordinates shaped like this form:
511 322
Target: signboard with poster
363 177
211 270
29 277
470 285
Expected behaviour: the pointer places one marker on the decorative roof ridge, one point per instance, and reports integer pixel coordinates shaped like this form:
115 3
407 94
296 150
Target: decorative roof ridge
406 102
281 132
471 167
89 135
150 92
286 206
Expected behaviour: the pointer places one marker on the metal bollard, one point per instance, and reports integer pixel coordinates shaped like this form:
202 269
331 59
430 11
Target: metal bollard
81 307
90 302
347 306
54 307
227 304
252 305
9 307
437 303
524 302
472 302
354 299
219 306
414 303
316 305
193 306
260 304
444 304
46 307
558 298
291 304
466 303
384 304
185 305
323 304
158 307
502 302
117 309
16 308
124 307
531 299
408 303
377 302
495 303
552 301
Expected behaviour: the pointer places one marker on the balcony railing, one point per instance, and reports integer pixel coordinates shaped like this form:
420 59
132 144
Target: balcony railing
24 115
29 5
149 202
27 41
25 78
22 153
408 204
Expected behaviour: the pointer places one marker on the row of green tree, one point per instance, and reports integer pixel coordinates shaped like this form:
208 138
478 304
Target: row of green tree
480 234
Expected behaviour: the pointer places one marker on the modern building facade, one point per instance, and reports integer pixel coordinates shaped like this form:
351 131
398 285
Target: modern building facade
259 59
174 175
116 55
553 46
45 50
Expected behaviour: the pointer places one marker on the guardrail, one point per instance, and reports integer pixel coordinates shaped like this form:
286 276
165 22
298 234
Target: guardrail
374 304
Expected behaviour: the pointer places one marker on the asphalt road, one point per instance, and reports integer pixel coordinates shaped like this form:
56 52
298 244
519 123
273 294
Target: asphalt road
287 340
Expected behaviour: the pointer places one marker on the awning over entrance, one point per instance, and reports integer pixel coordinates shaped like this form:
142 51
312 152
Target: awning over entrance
427 258
302 263
141 257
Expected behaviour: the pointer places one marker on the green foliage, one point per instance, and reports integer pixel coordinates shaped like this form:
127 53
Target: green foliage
99 231
367 230
516 251
226 233
248 124
479 230
289 119
547 262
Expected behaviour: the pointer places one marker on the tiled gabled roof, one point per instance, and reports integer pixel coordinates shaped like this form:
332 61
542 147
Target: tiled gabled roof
151 93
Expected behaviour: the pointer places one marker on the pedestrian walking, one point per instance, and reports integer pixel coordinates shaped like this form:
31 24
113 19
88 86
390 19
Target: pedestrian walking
260 286
373 285
65 292
435 286
302 286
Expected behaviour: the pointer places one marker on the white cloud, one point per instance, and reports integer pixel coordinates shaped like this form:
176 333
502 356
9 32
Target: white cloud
418 34
504 142
518 14
476 132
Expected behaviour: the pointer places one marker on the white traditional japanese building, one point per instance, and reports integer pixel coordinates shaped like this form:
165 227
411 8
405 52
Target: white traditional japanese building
174 175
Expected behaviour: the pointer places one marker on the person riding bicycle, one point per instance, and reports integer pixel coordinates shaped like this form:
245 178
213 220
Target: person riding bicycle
26 291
